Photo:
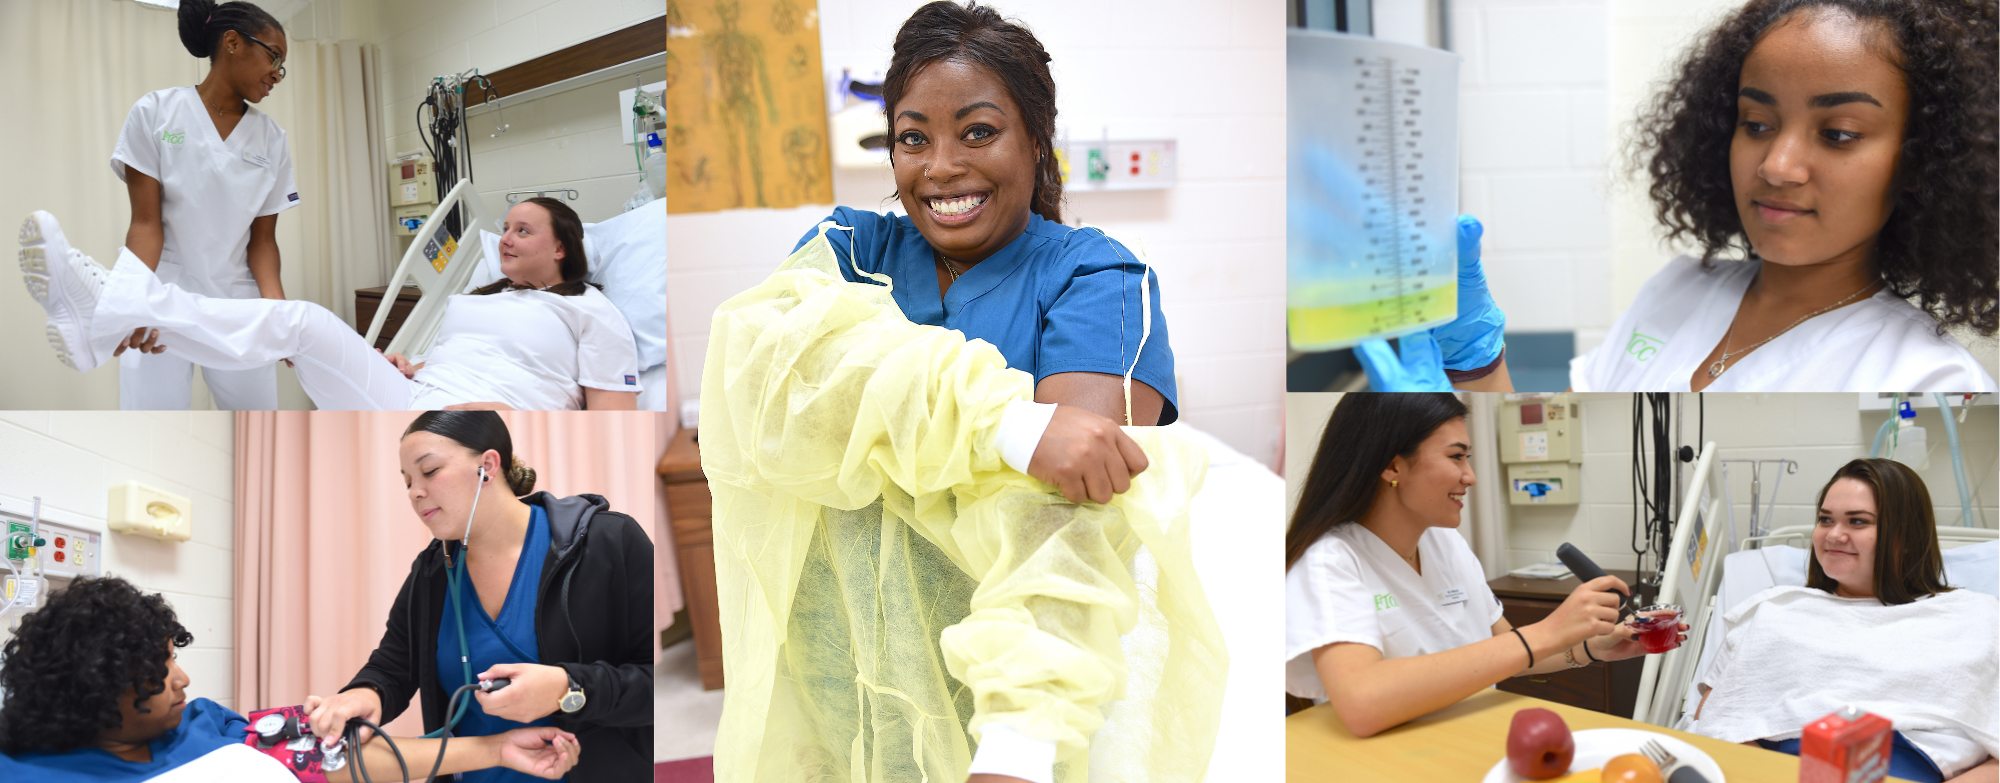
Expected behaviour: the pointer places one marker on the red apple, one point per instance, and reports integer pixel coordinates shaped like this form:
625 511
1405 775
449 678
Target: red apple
1539 745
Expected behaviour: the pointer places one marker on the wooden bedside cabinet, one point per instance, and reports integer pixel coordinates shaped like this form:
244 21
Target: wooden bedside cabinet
688 505
1611 688
366 300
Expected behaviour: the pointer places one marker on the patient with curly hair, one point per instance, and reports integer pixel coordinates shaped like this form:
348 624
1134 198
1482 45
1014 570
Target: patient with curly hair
94 693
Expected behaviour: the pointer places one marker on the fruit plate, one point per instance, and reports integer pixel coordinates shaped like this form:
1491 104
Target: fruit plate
1596 746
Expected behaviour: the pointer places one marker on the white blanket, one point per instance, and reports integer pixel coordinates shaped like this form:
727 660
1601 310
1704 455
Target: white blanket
1793 654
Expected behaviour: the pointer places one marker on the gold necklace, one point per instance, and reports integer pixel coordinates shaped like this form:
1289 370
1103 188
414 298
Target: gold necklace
948 265
1715 370
218 109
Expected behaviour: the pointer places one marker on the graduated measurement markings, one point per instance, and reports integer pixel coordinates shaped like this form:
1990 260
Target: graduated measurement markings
1389 168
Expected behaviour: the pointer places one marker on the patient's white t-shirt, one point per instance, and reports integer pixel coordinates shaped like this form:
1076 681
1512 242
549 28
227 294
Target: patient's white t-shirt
1952 751
530 349
1349 586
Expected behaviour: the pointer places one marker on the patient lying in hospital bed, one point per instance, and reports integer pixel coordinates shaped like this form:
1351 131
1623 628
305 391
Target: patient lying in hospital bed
1874 626
543 339
94 694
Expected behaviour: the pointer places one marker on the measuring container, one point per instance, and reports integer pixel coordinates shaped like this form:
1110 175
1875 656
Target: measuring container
1371 189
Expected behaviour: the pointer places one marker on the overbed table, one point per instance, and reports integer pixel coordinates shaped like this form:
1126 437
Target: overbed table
1463 741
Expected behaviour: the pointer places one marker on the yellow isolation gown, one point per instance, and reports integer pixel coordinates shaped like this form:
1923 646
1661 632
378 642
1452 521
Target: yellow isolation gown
888 586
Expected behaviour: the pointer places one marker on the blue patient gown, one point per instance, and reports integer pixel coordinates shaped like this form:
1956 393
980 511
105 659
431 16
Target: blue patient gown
205 727
507 639
1054 300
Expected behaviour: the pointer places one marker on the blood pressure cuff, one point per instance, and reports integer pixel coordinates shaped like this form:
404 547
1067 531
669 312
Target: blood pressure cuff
292 744
888 586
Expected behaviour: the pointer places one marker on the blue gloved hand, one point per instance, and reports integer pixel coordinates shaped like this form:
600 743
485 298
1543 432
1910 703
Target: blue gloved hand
1472 340
1420 369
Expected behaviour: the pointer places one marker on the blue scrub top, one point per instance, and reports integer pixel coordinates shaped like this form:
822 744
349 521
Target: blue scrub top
205 727
1056 299
510 638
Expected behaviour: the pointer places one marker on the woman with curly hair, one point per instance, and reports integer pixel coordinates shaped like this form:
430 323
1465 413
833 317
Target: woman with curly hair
94 694
1846 150
1835 162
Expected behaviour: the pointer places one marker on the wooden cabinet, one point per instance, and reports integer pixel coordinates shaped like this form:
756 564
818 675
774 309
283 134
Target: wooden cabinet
367 300
1611 688
688 505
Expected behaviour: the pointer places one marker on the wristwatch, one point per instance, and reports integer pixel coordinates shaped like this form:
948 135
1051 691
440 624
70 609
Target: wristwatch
573 700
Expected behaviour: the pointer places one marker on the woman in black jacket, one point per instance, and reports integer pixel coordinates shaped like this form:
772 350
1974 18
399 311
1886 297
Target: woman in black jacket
556 596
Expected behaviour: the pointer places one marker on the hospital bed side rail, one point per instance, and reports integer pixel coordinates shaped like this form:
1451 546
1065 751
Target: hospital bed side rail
420 327
1699 514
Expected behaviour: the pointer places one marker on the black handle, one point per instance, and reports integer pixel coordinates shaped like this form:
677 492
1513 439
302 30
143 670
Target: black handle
1586 570
1686 774
489 686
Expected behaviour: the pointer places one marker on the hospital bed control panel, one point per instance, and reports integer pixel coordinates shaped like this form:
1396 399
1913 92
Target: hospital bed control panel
1541 445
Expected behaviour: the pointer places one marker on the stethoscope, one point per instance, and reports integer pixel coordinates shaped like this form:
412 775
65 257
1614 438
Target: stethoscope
455 580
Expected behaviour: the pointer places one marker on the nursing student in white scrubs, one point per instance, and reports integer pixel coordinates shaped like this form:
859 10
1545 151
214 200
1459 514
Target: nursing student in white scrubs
1387 612
1835 174
207 175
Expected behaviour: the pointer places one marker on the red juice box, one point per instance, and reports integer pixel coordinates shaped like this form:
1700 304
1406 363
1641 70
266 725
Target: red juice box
1848 746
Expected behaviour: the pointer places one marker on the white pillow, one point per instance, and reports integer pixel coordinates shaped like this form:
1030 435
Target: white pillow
628 257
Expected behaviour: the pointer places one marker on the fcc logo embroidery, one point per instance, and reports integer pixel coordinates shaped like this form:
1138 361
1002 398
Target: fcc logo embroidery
293 197
631 380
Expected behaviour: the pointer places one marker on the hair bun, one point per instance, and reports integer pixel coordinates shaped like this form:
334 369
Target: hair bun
193 18
520 477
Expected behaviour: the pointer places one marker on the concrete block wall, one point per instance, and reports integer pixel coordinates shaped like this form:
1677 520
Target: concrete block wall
73 459
1534 141
1209 75
1819 431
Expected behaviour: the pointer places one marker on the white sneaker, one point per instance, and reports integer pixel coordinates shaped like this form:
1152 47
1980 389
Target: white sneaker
66 283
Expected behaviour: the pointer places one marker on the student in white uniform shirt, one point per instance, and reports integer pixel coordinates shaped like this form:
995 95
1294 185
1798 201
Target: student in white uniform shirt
207 175
1833 163
544 338
1387 612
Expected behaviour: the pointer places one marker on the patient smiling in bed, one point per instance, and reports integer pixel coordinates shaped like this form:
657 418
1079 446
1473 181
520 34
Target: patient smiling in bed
1873 626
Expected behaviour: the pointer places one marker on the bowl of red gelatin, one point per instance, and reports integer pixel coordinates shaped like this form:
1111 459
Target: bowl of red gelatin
1658 627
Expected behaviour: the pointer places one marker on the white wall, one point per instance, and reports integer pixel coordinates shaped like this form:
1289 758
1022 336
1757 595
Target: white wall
1532 158
1207 73
73 459
569 139
1820 431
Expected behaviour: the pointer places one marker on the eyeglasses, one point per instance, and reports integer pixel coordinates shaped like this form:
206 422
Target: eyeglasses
277 60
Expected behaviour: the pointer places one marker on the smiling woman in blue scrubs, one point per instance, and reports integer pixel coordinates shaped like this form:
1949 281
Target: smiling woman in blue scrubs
982 249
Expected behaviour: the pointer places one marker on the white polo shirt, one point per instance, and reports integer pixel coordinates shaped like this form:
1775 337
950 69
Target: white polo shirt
1351 587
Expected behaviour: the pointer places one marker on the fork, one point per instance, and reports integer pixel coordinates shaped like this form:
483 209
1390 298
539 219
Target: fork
1666 761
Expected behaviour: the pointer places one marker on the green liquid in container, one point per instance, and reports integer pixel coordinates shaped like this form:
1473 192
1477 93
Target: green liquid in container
1327 327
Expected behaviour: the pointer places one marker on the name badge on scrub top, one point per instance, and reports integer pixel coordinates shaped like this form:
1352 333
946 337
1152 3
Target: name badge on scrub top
1455 595
260 160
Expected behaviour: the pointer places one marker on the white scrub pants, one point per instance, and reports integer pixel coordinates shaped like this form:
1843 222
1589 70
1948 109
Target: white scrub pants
338 368
164 382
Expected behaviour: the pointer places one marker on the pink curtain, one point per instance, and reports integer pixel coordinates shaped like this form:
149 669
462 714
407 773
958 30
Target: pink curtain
325 537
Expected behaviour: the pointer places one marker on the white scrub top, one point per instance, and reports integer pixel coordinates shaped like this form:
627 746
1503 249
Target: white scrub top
210 189
1881 343
1351 587
529 349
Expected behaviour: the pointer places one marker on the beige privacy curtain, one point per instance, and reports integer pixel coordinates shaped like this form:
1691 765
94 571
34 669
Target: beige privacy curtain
337 152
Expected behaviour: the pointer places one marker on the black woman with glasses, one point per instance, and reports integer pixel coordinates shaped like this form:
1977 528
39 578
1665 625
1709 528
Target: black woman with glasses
207 174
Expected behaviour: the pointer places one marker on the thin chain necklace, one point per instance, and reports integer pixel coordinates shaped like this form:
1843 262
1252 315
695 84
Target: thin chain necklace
218 109
1715 370
948 265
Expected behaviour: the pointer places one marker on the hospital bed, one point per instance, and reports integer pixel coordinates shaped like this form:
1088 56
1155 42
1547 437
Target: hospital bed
627 257
1708 574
